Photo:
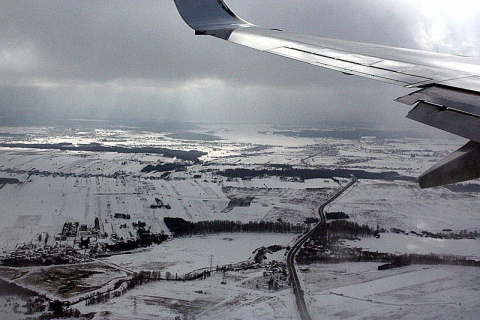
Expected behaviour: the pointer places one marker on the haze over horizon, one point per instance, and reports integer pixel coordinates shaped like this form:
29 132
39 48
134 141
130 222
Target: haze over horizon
137 60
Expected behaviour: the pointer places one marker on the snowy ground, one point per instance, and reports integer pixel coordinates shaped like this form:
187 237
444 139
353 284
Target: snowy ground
206 299
235 299
45 203
180 256
60 186
360 291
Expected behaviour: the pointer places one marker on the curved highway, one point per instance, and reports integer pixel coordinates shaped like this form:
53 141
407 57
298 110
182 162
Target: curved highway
295 281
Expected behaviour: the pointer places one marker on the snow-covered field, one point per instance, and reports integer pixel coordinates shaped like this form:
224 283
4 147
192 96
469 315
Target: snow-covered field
78 186
43 203
405 206
206 299
360 291
184 255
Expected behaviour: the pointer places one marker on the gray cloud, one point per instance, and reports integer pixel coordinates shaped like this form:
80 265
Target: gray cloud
138 59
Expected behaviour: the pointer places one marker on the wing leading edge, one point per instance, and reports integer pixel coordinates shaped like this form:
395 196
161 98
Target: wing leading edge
449 95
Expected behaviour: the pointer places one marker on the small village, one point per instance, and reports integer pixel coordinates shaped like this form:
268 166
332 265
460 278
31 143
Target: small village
79 243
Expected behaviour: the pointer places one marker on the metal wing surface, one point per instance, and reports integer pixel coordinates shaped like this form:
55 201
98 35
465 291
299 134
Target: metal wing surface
449 86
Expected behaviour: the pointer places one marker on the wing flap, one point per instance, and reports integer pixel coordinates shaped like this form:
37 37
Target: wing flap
453 121
447 98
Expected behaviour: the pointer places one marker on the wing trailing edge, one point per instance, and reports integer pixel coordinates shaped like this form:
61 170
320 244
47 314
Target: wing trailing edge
449 95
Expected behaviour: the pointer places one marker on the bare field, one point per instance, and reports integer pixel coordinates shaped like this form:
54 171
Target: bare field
71 281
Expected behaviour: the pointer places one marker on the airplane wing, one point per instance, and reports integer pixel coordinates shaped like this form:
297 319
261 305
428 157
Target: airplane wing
448 95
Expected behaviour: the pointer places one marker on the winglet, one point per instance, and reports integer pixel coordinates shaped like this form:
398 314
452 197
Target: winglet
211 17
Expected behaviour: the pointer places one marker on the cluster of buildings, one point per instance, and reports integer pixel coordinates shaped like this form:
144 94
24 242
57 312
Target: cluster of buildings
63 248
35 254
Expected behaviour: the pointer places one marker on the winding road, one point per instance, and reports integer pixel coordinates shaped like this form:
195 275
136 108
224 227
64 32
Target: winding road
292 269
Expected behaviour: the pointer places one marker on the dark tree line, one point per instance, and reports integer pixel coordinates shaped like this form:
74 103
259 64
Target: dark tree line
145 239
163 167
314 174
337 254
343 229
191 155
9 181
181 227
464 234
336 215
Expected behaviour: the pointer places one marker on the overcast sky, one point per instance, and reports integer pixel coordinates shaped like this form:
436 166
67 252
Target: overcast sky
137 59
